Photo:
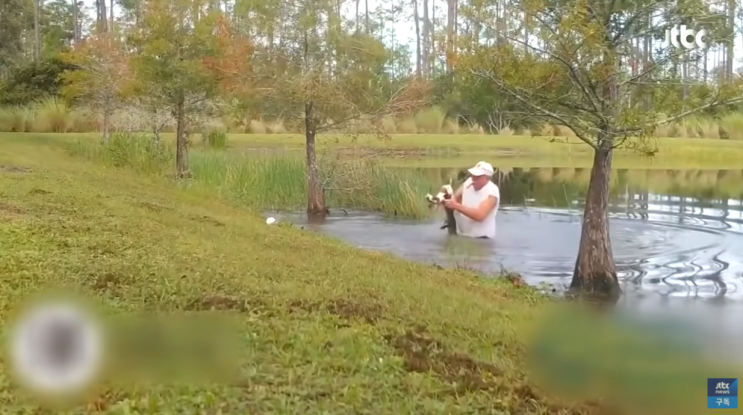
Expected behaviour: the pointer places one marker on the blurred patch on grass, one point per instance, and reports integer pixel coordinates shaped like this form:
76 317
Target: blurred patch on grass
643 364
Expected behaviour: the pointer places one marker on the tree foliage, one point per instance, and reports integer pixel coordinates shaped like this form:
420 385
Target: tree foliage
102 77
184 55
578 76
34 81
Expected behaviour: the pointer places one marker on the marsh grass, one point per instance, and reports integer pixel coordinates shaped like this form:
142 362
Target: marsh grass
690 183
215 136
273 182
136 151
53 115
280 183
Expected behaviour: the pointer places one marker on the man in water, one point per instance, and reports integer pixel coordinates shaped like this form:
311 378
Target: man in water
476 202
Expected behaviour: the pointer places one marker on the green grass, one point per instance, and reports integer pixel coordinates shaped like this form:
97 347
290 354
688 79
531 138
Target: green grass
712 160
320 327
440 150
315 313
463 150
35 117
273 182
703 184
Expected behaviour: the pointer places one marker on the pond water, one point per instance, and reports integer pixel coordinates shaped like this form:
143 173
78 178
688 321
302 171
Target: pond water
676 234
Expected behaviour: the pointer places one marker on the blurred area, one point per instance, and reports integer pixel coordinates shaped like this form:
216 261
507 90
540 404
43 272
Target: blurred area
638 364
173 348
193 349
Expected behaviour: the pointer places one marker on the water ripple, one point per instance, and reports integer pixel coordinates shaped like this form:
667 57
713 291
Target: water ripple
663 247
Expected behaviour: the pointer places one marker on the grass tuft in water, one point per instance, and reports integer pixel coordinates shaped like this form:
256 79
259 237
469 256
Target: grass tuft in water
274 182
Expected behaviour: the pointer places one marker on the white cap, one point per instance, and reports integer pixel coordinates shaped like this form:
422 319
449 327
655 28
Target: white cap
481 169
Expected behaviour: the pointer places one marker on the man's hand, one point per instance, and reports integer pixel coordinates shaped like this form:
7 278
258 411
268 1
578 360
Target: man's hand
452 204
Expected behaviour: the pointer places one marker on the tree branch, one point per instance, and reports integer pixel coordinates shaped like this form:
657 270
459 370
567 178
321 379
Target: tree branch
538 108
684 114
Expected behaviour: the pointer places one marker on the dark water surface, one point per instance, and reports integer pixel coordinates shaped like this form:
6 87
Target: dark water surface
675 234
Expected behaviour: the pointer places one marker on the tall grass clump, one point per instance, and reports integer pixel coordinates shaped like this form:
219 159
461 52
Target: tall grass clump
268 182
430 121
52 115
275 182
138 152
732 125
215 136
701 127
16 119
371 186
280 183
406 126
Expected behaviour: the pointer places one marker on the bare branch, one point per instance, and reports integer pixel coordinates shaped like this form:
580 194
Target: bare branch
536 107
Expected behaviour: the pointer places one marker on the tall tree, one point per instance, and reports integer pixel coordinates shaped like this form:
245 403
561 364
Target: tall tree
323 78
579 79
75 22
37 30
102 77
12 18
418 56
185 54
451 34
730 44
426 56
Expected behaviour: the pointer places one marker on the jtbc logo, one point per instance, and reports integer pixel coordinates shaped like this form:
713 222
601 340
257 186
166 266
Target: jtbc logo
688 38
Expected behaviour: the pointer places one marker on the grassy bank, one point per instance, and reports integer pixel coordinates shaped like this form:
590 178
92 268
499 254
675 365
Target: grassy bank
324 328
713 160
321 327
713 184
53 115
464 151
273 182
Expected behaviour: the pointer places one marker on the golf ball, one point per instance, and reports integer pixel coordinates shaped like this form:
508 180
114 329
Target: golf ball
270 221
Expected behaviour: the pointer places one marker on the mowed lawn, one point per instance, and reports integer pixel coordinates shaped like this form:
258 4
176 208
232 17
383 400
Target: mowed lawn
444 150
323 327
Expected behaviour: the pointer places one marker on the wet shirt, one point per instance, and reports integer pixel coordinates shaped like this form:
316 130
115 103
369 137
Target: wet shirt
472 199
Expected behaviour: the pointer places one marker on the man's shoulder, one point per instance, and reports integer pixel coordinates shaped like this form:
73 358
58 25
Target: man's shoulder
493 189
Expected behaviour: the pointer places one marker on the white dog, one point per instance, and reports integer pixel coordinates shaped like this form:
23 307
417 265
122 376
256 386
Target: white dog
446 192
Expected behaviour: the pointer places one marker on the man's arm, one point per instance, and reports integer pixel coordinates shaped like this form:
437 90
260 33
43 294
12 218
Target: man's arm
458 194
479 213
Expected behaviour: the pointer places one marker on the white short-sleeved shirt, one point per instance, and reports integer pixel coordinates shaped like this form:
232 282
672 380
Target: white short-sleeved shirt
472 199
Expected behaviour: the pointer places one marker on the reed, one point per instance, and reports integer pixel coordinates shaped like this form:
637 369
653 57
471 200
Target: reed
274 182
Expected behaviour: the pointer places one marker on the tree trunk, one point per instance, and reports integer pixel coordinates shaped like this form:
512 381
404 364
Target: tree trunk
111 14
103 16
425 57
418 62
75 23
181 141
432 32
106 121
366 11
451 34
358 23
730 48
315 195
595 272
37 31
